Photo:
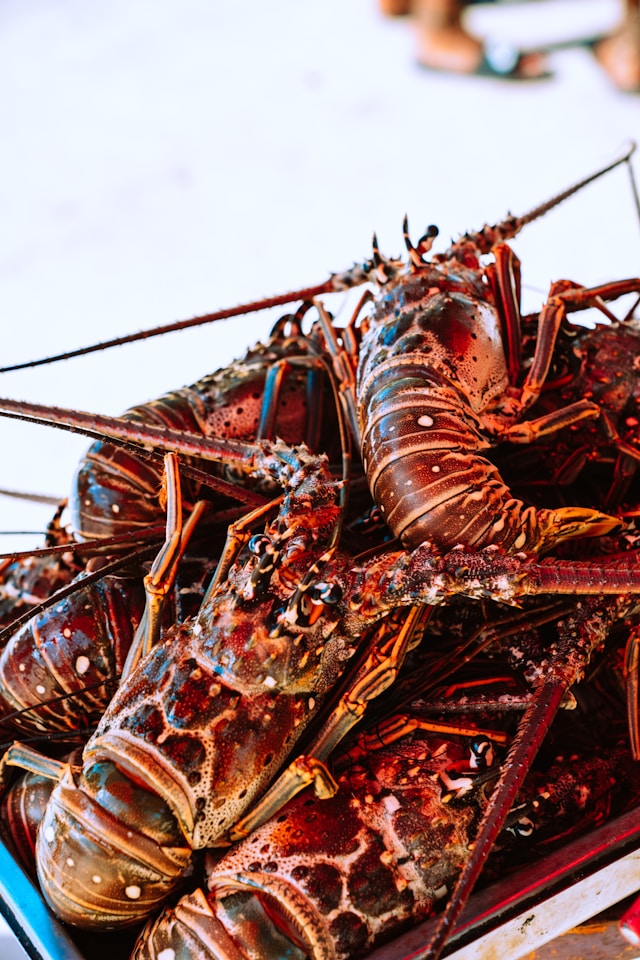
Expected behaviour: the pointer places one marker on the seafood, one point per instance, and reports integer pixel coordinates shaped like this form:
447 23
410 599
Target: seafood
439 381
58 670
209 716
277 389
334 878
83 640
201 728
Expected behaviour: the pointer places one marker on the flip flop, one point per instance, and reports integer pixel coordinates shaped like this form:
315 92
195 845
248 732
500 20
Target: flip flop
499 60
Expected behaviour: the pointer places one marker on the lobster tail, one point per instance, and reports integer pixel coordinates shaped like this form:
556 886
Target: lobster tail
57 672
567 523
21 811
456 497
422 434
98 871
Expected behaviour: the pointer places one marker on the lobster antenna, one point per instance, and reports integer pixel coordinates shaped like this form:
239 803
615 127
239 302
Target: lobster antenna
531 731
543 208
72 422
112 567
97 546
32 497
308 293
634 189
489 236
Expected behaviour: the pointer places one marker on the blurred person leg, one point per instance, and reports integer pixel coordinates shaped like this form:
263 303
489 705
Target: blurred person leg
395 8
619 54
445 45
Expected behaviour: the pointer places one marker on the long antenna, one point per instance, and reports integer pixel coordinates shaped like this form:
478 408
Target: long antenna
483 239
489 236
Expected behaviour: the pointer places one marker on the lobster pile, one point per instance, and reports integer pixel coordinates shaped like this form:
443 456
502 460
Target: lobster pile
195 687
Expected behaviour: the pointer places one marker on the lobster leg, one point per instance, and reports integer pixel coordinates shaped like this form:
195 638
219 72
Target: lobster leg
631 658
530 430
504 278
375 676
25 757
345 361
565 297
161 577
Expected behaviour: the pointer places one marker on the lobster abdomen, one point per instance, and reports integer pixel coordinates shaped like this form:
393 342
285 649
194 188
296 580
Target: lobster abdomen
430 366
115 490
59 666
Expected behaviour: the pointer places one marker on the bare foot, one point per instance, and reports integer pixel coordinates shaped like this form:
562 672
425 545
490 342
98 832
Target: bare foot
619 55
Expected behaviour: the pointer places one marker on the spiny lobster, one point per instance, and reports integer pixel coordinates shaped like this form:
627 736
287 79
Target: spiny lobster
438 380
202 725
427 578
277 388
59 664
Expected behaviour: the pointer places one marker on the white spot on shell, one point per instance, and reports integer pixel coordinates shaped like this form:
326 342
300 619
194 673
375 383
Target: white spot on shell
22 668
167 954
40 689
50 834
425 421
311 703
269 682
66 632
435 468
520 541
96 878
391 803
115 508
133 892
82 665
71 862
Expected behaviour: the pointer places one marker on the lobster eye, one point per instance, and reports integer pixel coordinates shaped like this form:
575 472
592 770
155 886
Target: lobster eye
325 592
259 544
481 753
524 827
